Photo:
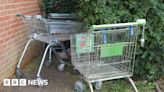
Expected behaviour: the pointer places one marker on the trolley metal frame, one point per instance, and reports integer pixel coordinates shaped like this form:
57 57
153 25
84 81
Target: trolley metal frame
46 31
106 52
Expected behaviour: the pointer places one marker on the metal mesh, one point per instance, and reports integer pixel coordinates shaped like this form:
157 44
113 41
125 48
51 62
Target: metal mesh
64 26
35 26
105 54
43 27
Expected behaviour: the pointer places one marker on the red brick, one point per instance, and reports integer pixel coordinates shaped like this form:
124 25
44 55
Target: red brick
12 33
4 18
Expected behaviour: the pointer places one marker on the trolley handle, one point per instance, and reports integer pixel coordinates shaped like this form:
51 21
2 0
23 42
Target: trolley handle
143 38
19 15
23 16
131 31
37 17
105 38
139 22
62 16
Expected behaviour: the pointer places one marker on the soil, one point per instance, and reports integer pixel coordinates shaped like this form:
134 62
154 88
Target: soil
161 84
57 81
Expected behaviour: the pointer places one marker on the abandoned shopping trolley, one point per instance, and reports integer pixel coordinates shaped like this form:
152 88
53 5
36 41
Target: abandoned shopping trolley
45 31
106 52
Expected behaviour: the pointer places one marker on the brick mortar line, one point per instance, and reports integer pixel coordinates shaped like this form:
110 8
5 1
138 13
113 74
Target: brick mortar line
24 39
15 14
9 60
18 8
32 4
10 56
19 3
18 27
8 20
12 25
12 41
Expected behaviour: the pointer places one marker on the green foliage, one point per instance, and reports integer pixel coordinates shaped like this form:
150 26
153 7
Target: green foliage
150 59
146 87
124 86
58 6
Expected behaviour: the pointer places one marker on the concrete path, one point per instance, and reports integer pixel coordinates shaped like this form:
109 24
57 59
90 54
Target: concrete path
57 81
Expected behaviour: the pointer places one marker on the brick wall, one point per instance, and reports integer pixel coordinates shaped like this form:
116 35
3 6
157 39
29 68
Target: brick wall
13 35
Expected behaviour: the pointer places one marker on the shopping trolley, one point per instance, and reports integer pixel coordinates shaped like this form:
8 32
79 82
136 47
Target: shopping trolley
45 31
106 52
62 51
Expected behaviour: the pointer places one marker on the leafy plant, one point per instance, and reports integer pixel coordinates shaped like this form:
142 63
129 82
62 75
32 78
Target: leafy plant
124 86
58 6
150 59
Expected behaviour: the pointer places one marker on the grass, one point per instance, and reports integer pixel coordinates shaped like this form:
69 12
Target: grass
124 86
121 85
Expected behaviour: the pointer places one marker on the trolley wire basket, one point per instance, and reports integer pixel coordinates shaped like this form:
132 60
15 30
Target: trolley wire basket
46 31
105 53
39 26
35 26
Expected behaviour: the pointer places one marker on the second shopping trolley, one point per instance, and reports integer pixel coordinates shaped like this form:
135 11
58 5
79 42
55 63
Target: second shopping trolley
47 31
106 52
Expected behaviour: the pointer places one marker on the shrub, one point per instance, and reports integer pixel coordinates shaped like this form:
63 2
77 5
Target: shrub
58 6
150 59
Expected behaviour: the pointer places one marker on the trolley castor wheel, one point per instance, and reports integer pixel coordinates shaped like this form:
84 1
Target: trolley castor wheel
39 79
19 73
98 85
75 71
61 67
79 86
48 63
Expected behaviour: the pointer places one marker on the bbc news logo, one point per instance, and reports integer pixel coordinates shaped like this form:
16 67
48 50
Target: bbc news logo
24 82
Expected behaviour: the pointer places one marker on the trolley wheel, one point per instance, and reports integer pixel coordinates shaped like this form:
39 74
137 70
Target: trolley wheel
75 71
79 86
98 85
39 84
19 73
48 63
61 67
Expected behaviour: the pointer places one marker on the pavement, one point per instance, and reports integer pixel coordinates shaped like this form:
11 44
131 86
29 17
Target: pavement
57 81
